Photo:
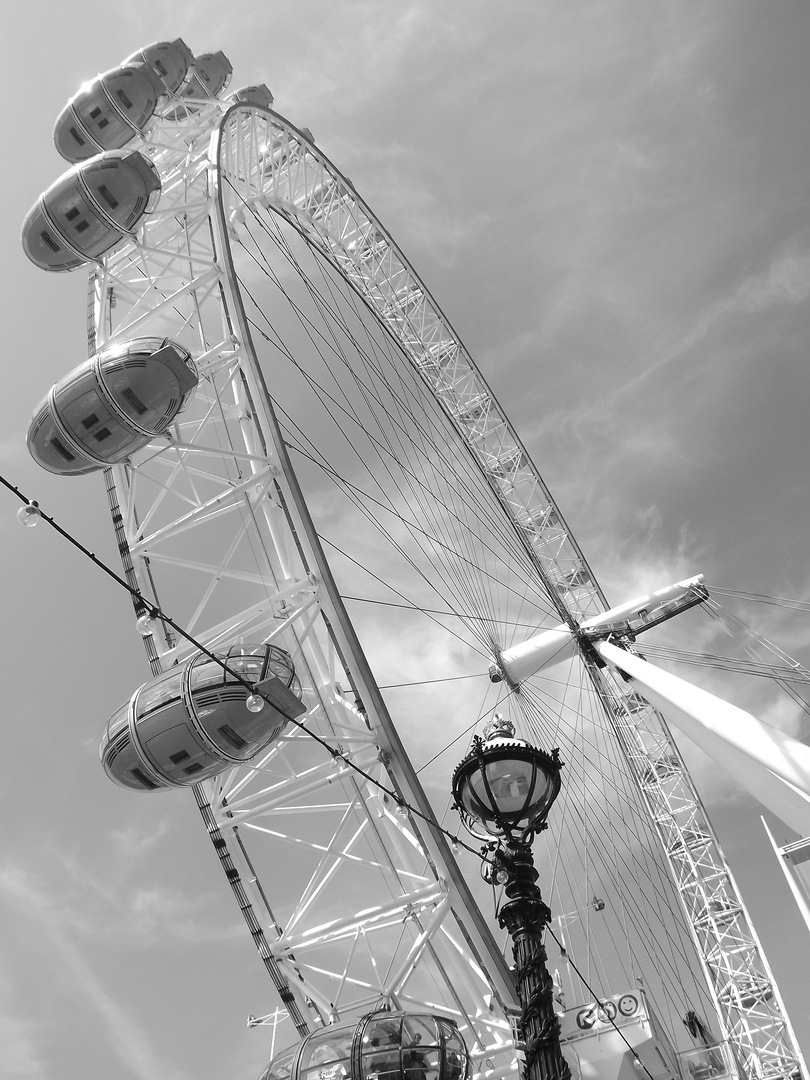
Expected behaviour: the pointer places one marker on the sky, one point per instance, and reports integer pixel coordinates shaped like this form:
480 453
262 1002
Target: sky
609 203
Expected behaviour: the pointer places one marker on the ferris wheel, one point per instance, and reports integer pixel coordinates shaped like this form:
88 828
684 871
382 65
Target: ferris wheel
309 479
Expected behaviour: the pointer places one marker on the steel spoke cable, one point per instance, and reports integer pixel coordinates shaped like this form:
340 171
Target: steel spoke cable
399 371
394 547
540 594
626 793
236 675
388 585
763 598
370 518
159 614
390 344
348 487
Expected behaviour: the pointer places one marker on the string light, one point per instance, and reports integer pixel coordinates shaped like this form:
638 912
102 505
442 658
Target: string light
31 509
29 515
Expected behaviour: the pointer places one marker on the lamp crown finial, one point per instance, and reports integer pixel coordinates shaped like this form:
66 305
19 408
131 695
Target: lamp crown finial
499 728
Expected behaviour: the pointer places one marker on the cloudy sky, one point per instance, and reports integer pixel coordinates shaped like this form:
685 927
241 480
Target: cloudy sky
609 202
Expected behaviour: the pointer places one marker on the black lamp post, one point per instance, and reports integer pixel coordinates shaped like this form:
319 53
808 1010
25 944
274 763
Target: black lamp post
503 790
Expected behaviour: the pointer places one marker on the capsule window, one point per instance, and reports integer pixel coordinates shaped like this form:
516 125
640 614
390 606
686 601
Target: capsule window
159 693
143 779
122 97
75 218
134 400
48 448
107 196
230 736
86 417
62 450
49 241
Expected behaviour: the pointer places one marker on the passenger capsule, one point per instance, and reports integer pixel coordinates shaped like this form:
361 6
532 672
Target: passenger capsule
90 209
111 406
254 95
108 112
207 77
382 1046
169 60
190 723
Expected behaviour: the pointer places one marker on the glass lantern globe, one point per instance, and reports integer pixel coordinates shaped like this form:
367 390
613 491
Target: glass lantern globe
504 787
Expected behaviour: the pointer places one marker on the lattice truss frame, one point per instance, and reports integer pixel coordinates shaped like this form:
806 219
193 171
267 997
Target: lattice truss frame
320 202
382 913
218 476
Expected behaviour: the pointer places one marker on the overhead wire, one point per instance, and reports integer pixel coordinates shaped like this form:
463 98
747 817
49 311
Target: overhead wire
520 601
159 614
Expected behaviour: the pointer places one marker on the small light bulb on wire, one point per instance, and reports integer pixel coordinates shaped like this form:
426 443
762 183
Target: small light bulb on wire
145 625
29 515
254 703
401 810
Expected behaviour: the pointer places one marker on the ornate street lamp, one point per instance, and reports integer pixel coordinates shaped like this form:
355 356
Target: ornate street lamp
503 791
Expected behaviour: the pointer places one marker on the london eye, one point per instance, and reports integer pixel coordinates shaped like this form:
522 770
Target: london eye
337 548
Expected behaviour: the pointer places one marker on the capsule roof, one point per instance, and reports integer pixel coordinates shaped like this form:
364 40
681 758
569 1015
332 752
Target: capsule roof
392 1045
254 95
108 112
169 60
90 209
207 77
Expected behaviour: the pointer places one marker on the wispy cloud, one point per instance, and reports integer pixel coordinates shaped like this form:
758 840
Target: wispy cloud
19 1037
786 281
126 1037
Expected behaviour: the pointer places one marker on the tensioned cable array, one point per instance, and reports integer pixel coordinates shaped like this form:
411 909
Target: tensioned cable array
399 395
157 613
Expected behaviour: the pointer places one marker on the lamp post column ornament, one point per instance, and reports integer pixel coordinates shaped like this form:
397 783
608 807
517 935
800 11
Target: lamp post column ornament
503 790
524 918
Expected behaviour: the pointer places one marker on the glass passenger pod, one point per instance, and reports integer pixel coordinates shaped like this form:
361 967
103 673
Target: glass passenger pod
90 209
108 112
111 406
169 60
254 95
382 1046
191 722
208 76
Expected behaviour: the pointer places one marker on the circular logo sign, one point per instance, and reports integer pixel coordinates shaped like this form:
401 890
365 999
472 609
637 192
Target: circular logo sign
628 1005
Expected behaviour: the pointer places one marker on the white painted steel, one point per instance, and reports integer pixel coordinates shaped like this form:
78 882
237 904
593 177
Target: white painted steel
552 647
784 857
774 767
220 485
